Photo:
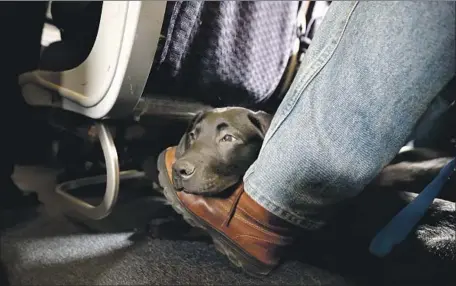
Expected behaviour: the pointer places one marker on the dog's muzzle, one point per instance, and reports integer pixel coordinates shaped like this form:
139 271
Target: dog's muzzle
177 181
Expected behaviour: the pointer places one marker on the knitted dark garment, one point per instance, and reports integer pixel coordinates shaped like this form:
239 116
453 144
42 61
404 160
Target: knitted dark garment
224 53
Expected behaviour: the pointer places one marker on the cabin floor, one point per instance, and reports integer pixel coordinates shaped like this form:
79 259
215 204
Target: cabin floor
49 248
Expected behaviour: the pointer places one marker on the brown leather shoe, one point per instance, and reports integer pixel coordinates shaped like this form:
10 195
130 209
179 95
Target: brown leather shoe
250 236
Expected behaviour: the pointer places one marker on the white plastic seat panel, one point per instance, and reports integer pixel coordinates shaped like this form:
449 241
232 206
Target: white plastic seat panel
119 62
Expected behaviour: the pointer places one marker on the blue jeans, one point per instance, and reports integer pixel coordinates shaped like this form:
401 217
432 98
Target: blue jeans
369 75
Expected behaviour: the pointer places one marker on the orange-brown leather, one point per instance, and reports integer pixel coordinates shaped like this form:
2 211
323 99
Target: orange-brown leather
246 223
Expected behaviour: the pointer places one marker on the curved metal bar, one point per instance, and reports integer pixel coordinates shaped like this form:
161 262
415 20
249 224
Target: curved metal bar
112 180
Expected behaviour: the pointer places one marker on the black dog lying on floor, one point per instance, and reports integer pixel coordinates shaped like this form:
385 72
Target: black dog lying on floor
426 256
218 148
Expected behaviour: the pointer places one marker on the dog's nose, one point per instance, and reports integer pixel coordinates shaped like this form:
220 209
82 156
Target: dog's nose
184 169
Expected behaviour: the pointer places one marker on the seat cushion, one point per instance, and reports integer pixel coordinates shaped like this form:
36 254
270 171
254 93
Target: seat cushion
224 53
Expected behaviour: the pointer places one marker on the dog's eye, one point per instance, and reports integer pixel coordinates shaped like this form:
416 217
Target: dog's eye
192 135
228 138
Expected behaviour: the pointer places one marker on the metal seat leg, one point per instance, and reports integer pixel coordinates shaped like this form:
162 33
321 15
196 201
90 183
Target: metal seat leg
112 180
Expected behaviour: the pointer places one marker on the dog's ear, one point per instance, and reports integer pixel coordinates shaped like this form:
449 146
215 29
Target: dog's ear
261 121
183 143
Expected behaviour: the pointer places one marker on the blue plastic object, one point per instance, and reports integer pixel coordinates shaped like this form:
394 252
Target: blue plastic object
403 223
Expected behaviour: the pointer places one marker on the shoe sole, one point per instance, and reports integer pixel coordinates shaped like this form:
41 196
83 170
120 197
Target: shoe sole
235 254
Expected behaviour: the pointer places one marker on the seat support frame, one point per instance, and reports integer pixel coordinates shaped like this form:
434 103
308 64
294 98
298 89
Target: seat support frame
111 179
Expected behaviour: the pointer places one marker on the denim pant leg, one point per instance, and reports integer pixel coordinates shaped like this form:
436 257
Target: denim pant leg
370 74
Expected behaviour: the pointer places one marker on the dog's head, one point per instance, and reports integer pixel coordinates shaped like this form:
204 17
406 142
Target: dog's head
218 148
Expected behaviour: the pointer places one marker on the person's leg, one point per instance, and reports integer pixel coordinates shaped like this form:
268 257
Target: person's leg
22 24
369 75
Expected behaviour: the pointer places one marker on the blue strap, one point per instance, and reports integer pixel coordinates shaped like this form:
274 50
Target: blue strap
403 223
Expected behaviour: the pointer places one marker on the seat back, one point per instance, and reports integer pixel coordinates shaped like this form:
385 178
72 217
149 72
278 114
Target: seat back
77 24
111 80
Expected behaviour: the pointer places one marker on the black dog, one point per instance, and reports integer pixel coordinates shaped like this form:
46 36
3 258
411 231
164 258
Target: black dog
218 148
220 145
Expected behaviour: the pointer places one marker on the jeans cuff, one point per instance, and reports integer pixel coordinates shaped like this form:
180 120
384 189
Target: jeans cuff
280 212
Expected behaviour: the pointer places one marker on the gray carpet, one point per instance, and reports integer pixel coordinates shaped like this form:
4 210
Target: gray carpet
50 249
